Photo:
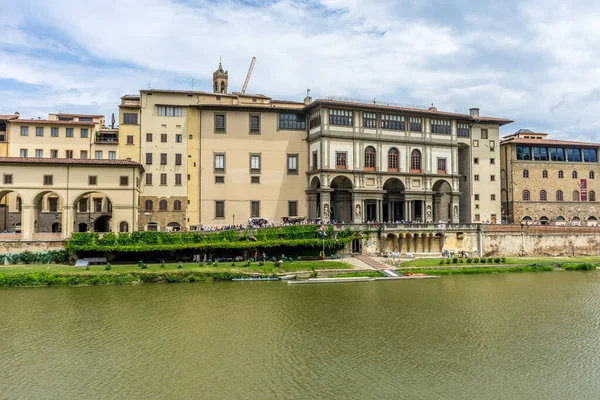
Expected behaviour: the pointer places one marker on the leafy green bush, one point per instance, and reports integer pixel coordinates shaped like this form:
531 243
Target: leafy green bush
579 267
497 260
108 267
442 261
455 260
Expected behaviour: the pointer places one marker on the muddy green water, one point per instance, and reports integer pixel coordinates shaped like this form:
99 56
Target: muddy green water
509 336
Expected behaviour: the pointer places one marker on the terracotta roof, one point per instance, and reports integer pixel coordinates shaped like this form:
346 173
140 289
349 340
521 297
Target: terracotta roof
548 142
131 97
185 92
248 106
9 117
68 161
50 122
80 115
416 111
258 96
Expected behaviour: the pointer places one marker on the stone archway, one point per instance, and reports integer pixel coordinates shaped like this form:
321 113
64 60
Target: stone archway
341 199
102 224
94 210
442 201
47 212
11 212
393 200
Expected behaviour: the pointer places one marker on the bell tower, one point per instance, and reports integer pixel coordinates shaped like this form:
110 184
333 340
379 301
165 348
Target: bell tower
220 80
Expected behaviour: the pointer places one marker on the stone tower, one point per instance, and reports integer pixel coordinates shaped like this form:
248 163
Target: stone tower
220 80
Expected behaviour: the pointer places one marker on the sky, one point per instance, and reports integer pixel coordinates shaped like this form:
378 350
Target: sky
532 61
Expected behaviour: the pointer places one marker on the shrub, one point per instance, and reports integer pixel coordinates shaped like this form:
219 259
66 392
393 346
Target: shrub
233 264
579 267
497 260
180 266
476 260
144 266
502 259
261 263
469 260
247 263
162 264
455 261
442 261
87 267
215 264
108 267
313 272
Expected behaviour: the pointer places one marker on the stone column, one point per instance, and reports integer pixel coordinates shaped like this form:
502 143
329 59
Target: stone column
405 209
400 242
455 217
325 206
442 242
27 212
312 205
358 210
437 216
408 240
429 243
67 220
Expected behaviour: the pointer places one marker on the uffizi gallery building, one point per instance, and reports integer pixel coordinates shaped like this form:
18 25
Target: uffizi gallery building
187 159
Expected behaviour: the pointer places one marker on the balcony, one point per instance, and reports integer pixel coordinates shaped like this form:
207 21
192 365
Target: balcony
110 137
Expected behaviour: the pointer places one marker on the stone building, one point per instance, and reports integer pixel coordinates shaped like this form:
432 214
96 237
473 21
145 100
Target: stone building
548 181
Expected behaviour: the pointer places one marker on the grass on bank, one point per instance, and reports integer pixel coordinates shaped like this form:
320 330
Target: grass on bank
238 267
477 270
435 262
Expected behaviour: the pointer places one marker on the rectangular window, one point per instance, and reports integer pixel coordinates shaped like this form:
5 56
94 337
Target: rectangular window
83 205
219 123
292 121
98 155
493 197
476 197
163 179
149 179
48 179
112 155
84 132
476 160
523 153
315 163
484 133
178 138
315 119
219 179
340 160
92 180
23 153
97 205
219 162
492 161
39 153
441 165
148 158
255 209
53 204
148 137
477 217
178 179
8 179
369 120
463 130
163 138
292 165
255 124
124 181
68 153
340 117
590 155
493 178
130 118
53 153
255 163
540 154
54 132
492 145
177 159
255 179
85 119
292 208
476 177
163 158
24 131
574 155
556 154
69 132
167 111
475 143
440 126
129 139
416 124
393 122
39 131
83 154
219 209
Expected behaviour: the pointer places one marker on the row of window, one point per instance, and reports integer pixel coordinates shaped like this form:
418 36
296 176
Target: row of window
39 131
561 174
556 154
492 178
255 163
341 160
254 209
162 205
163 158
163 138
83 154
97 205
163 179
590 196
49 180
476 196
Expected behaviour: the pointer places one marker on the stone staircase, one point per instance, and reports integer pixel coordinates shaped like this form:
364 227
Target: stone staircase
384 269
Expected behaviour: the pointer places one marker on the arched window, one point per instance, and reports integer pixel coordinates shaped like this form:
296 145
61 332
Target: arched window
592 175
162 205
543 195
222 86
561 175
177 205
415 161
370 158
559 195
123 227
575 195
544 174
525 173
574 174
592 196
544 221
526 220
148 206
216 87
526 195
152 226
393 160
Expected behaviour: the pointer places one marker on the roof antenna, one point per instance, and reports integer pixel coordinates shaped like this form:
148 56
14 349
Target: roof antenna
149 84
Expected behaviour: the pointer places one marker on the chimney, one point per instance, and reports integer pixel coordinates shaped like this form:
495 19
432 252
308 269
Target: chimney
474 112
17 114
307 100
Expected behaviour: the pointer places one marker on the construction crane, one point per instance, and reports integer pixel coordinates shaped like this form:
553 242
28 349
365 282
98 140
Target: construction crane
249 74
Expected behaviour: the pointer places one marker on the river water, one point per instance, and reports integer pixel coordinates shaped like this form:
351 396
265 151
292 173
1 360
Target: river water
506 336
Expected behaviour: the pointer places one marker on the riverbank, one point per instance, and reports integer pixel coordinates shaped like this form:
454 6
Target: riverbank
508 261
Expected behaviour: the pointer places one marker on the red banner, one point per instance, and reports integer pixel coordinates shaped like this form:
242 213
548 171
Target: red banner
583 187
